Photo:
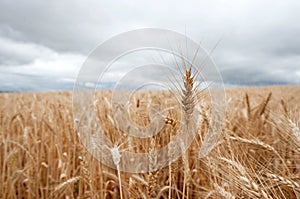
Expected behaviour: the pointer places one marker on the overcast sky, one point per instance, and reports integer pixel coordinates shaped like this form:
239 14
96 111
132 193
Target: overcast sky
43 44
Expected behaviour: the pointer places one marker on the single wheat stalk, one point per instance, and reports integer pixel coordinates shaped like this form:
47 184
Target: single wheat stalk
250 184
223 192
253 188
188 92
264 105
248 106
188 97
262 144
151 191
187 171
172 166
283 104
59 188
295 130
283 180
116 159
237 165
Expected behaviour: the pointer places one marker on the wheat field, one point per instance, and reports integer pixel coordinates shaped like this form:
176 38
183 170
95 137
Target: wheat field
257 154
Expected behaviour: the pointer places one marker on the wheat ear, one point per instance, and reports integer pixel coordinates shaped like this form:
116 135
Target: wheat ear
188 102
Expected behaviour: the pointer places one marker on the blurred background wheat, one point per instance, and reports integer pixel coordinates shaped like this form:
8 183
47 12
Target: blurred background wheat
257 156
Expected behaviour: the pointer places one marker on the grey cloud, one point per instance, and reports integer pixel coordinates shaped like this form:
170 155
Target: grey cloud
61 25
260 76
14 53
260 40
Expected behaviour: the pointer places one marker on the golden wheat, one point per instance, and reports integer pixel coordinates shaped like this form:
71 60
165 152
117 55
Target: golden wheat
257 156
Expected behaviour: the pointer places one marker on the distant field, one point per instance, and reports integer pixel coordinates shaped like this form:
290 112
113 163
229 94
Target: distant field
257 154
